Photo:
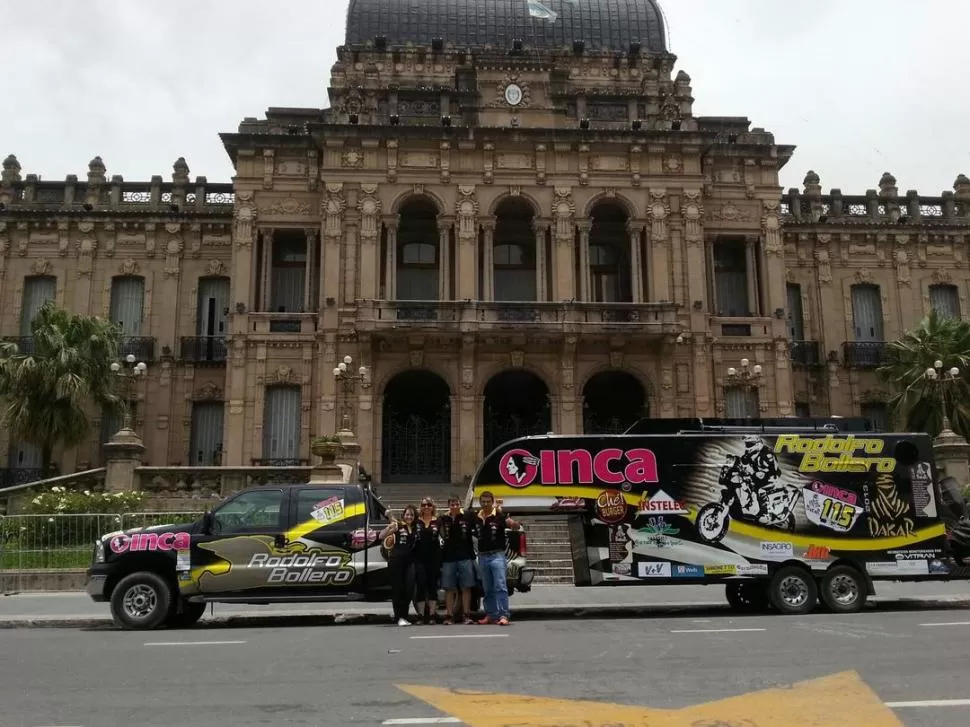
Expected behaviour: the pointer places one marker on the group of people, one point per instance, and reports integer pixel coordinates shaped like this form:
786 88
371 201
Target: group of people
425 549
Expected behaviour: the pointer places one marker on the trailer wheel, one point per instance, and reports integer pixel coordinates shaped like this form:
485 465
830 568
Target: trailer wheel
748 596
843 589
793 591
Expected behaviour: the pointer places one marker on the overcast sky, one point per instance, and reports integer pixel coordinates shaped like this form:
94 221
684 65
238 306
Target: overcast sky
860 86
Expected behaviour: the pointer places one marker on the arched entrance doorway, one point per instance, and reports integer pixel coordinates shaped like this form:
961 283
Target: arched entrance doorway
516 405
612 401
416 429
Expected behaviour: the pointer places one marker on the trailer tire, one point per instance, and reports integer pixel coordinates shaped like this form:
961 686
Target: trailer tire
748 596
843 589
141 601
793 591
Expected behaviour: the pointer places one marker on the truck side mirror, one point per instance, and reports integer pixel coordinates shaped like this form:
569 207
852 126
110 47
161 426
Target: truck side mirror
208 523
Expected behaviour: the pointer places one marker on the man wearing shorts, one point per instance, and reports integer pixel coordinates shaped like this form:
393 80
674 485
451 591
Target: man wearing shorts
457 558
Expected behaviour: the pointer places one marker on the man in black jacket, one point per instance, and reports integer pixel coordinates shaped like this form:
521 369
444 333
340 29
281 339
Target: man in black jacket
457 560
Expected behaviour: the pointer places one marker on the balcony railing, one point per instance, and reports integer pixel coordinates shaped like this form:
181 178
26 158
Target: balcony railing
271 462
141 347
471 316
203 349
805 353
865 354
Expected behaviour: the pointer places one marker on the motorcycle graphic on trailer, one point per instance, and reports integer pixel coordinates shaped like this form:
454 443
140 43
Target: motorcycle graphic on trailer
751 491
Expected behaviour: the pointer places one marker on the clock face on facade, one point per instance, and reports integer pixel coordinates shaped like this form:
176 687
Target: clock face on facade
513 94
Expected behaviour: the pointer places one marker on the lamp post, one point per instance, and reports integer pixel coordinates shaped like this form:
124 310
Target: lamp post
348 380
127 374
944 379
745 378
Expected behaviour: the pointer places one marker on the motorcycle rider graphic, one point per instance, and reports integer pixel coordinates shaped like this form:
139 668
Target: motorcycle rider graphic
750 491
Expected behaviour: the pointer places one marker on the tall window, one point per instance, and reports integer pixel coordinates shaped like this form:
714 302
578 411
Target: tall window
731 278
878 414
417 273
205 448
945 300
38 290
288 272
282 418
515 272
213 306
867 312
796 317
741 402
128 304
608 274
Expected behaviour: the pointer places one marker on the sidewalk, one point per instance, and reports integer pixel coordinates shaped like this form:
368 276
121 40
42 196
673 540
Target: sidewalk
76 610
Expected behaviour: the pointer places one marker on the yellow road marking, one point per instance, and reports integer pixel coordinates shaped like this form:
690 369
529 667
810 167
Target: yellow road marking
839 700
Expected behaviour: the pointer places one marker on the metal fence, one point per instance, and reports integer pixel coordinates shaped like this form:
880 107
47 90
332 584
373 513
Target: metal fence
59 541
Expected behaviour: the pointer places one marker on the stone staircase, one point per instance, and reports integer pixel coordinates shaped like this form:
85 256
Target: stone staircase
548 548
396 496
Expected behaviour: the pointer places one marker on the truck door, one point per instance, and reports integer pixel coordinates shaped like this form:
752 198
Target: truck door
321 538
247 533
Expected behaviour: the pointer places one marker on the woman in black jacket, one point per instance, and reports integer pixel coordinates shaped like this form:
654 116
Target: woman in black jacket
399 539
427 561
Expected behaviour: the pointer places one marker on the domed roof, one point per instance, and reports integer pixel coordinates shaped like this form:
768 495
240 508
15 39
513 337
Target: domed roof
602 24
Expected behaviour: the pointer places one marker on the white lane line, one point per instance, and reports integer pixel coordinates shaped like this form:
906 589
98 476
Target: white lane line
463 636
192 643
930 703
712 631
949 623
423 720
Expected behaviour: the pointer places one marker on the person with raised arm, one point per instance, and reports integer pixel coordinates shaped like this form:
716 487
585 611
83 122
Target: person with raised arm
399 538
490 526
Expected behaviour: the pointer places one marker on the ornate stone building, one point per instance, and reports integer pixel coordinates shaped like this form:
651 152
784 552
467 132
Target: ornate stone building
515 225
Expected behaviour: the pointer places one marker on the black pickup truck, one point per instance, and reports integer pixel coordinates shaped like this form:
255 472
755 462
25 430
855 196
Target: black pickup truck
271 544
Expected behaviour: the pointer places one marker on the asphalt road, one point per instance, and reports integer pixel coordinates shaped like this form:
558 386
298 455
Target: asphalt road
343 675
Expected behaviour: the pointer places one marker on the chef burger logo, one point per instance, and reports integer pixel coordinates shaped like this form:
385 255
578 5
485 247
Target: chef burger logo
611 506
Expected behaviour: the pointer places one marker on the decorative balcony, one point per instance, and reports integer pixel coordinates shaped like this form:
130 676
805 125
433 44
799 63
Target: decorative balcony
805 353
141 347
280 462
473 316
865 354
203 349
295 323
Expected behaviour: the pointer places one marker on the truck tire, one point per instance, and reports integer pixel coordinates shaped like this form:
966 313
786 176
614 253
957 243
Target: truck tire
748 596
189 614
141 601
793 591
843 589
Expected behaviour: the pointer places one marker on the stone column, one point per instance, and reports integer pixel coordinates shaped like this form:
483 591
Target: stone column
124 452
584 274
390 259
540 228
444 259
265 271
637 292
488 264
952 453
751 265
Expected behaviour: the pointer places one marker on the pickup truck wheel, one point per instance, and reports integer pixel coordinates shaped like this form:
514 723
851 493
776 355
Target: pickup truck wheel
189 614
843 590
141 601
793 591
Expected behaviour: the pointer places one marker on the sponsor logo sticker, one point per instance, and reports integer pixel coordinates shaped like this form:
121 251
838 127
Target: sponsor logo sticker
611 506
753 569
913 567
720 570
653 570
883 568
938 567
328 510
777 550
661 504
688 571
138 542
817 552
610 466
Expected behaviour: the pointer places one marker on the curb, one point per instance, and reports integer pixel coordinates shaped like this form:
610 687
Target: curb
287 619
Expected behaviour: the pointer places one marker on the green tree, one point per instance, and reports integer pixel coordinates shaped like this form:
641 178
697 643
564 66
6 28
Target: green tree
48 392
922 400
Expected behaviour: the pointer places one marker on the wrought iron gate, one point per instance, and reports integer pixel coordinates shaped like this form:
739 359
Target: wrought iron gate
416 449
502 425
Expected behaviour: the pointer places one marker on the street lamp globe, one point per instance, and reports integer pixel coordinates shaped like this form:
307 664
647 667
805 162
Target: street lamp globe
130 358
336 372
937 364
732 371
362 371
342 367
954 371
930 373
115 367
744 363
757 369
142 367
347 361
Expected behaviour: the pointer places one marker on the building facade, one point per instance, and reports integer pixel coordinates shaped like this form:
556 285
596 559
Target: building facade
515 226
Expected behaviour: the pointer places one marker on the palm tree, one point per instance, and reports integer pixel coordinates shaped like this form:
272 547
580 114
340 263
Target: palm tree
923 400
47 393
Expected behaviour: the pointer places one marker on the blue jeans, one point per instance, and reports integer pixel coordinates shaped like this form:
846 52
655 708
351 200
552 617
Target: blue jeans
494 569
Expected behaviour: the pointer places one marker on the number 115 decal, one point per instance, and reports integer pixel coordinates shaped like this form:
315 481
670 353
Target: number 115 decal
832 507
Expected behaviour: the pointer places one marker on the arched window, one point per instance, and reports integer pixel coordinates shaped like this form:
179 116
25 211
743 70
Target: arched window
606 269
417 252
514 252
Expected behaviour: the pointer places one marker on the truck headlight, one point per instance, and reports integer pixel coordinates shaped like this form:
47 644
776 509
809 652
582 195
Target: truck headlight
99 551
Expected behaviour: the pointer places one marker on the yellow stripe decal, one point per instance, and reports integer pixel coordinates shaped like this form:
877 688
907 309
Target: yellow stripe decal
738 528
305 528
